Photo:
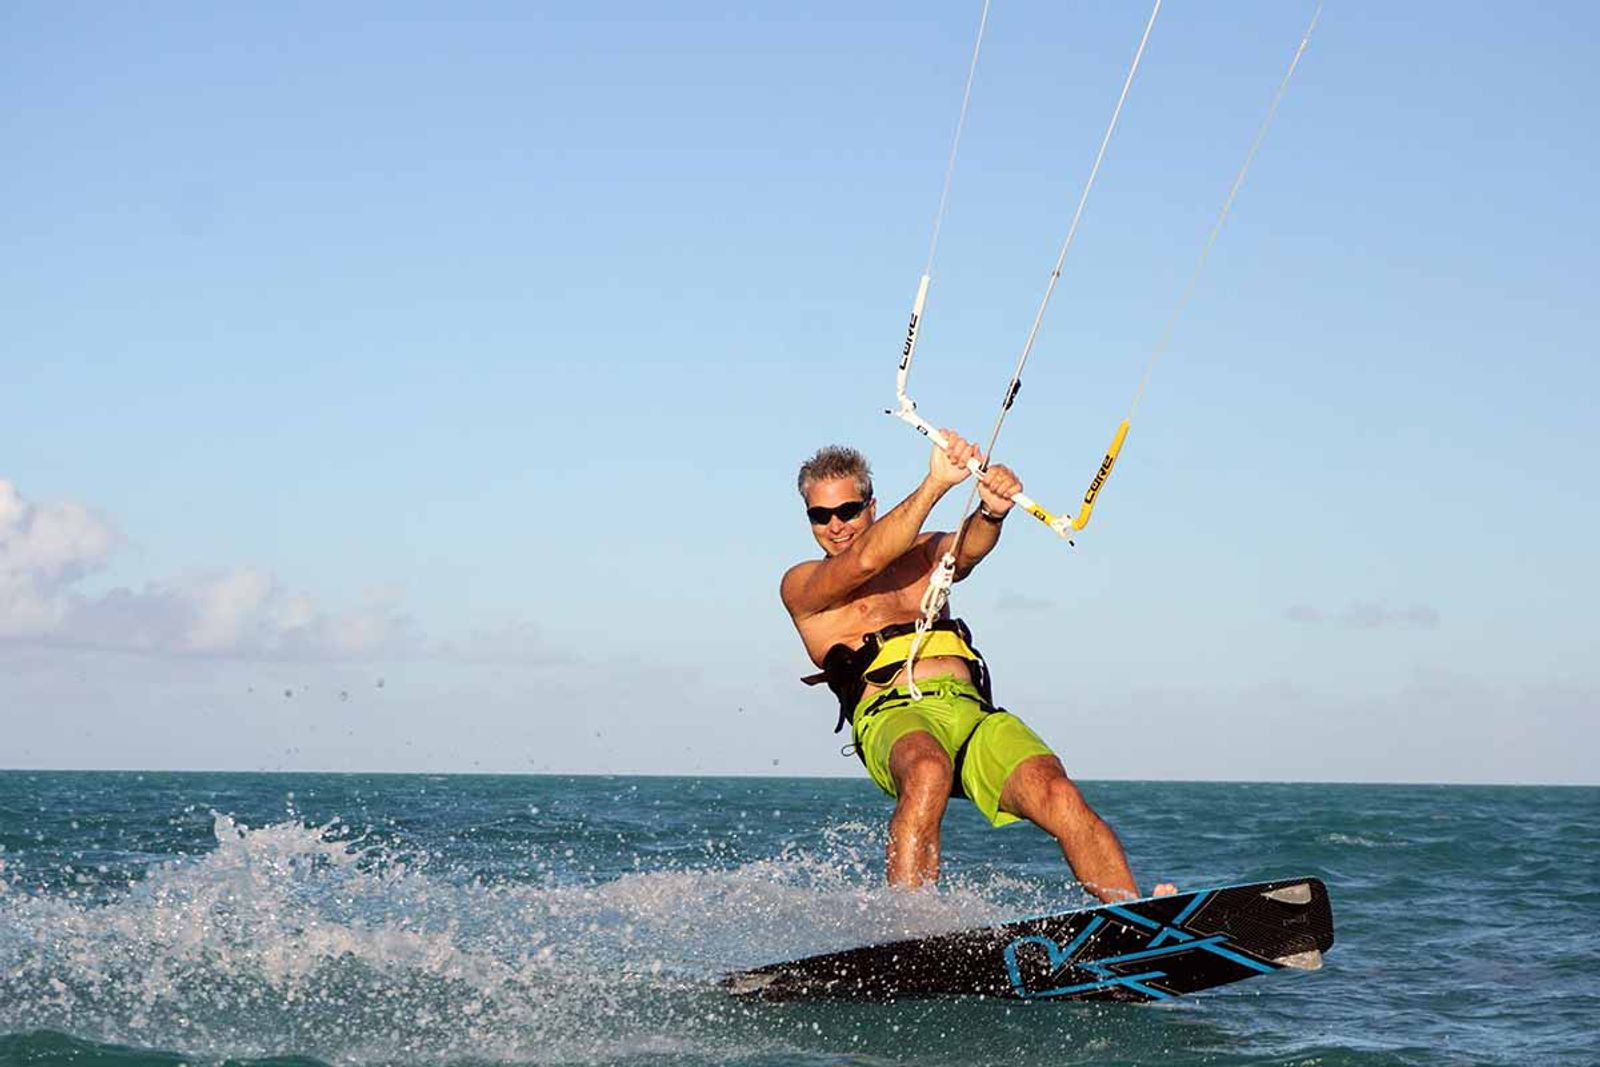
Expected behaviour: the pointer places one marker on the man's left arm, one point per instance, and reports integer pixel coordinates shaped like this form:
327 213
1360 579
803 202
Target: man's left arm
982 528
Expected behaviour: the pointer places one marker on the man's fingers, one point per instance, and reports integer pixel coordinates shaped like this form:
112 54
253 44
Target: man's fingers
1001 481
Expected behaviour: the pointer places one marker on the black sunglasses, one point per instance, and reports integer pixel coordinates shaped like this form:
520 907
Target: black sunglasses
821 516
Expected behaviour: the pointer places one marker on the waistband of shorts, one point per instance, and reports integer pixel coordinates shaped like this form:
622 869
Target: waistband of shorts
896 695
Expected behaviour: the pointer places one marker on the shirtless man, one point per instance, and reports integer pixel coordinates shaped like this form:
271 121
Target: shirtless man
953 741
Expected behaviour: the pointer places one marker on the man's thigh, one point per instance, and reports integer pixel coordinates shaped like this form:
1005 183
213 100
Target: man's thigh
880 739
920 765
1003 750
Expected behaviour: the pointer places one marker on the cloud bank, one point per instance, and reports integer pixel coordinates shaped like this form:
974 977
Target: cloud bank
47 549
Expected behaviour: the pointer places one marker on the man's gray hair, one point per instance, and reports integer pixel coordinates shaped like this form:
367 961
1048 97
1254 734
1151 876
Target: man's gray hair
836 461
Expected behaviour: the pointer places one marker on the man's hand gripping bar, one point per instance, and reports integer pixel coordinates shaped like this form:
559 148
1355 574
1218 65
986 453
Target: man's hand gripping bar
908 412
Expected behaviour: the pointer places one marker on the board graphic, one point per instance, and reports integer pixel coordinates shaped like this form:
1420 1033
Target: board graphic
1151 949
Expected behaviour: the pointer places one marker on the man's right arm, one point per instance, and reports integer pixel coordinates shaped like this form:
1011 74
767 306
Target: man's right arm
814 586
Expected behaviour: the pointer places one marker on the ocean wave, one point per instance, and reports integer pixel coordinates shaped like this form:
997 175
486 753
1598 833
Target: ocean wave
1363 840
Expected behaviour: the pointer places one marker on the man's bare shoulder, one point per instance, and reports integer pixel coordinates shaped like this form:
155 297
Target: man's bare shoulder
800 570
792 579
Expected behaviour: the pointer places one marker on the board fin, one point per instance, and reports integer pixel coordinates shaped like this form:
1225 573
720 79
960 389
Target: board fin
1291 894
1301 961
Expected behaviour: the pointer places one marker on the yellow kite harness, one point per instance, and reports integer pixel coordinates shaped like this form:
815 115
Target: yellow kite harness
882 657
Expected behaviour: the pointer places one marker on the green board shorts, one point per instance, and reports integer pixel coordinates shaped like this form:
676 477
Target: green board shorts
952 711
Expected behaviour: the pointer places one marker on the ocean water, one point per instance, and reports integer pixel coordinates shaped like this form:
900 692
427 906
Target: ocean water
166 918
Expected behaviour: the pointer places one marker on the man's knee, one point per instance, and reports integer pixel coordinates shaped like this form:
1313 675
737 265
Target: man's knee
920 767
1062 796
1040 789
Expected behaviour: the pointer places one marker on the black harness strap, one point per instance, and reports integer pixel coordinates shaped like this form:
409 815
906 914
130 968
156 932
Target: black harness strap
989 712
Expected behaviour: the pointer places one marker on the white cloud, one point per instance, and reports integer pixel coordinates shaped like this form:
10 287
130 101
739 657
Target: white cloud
43 550
233 612
46 549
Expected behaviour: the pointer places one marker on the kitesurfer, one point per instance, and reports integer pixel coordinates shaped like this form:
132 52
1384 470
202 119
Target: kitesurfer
856 610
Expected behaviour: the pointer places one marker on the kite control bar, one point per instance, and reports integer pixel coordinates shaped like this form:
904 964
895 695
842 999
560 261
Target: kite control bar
906 411
1063 526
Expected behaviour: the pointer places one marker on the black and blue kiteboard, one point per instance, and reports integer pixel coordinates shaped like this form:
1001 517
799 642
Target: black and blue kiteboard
1151 949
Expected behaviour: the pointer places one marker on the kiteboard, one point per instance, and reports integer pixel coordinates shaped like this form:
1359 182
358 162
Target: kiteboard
1143 950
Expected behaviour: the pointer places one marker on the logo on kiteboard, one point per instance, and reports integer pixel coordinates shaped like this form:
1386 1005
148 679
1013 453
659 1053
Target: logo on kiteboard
1040 967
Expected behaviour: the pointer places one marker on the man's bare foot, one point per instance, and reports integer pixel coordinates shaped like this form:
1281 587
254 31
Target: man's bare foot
1164 889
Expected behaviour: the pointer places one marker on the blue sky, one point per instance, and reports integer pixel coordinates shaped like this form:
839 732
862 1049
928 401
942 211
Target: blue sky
474 354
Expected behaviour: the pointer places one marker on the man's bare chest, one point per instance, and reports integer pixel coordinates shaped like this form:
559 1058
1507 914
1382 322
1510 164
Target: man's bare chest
895 596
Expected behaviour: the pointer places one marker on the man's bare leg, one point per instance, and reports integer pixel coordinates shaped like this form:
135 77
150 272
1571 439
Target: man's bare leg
921 773
1040 791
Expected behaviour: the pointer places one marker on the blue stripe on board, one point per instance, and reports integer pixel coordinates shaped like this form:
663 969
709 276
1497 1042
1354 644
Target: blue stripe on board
1209 944
1131 981
1175 934
1133 917
1077 942
1191 907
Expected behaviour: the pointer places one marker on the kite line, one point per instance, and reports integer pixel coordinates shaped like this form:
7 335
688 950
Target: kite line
938 592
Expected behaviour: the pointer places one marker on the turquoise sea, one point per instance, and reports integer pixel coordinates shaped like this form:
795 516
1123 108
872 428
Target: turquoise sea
165 918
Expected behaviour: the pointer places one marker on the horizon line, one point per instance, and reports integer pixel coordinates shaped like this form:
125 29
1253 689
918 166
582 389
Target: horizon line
739 775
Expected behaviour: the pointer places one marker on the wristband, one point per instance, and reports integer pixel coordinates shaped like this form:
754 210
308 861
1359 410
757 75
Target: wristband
996 517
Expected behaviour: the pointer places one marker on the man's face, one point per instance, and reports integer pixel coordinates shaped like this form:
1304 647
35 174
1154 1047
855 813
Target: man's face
837 534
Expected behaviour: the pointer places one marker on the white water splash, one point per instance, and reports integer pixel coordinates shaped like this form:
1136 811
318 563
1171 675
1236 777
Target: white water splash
295 940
